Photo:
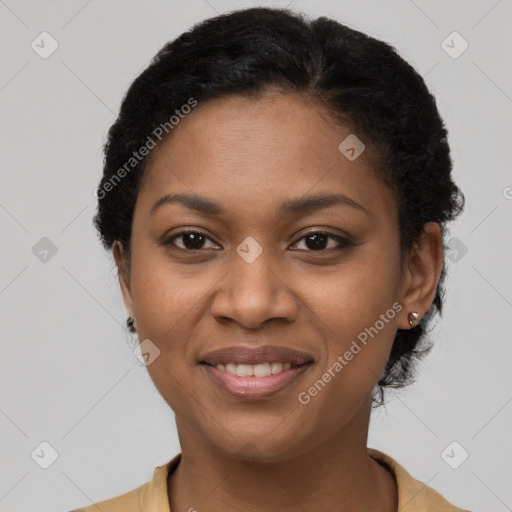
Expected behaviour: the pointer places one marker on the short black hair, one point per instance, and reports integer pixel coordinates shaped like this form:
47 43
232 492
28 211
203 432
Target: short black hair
361 81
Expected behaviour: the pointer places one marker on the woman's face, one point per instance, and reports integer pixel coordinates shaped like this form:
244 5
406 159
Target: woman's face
258 277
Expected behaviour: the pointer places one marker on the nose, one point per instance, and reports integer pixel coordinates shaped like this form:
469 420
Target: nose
254 292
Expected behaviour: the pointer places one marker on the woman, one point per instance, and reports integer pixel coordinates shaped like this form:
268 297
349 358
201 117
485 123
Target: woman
275 194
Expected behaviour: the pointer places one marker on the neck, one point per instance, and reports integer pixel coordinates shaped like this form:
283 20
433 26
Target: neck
337 474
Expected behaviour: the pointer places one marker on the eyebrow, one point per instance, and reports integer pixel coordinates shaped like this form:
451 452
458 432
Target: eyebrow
302 205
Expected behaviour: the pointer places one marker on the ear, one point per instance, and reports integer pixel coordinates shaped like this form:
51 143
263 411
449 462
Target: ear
421 274
123 273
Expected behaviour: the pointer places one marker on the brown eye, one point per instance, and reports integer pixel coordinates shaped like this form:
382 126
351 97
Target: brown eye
191 240
316 241
319 241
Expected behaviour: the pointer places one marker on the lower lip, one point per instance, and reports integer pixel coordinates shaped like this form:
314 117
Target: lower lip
254 387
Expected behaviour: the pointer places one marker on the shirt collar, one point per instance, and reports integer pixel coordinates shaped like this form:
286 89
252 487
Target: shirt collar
413 495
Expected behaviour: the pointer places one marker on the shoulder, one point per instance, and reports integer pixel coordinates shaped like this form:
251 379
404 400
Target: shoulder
149 496
413 495
127 502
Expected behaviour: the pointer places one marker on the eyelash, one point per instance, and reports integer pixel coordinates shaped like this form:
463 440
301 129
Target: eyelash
343 242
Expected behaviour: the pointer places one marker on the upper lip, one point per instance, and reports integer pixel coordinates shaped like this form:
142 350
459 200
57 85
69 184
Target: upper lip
255 355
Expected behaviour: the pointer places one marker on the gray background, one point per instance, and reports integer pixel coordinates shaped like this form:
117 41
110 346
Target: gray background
67 372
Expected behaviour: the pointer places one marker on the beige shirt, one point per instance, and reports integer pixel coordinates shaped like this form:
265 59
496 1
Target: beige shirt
413 495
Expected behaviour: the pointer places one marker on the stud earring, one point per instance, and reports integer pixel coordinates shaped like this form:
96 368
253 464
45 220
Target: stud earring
413 318
130 322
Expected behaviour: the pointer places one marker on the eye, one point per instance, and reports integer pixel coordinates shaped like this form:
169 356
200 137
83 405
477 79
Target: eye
318 241
191 240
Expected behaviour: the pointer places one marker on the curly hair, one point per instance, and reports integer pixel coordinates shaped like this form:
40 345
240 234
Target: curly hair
359 80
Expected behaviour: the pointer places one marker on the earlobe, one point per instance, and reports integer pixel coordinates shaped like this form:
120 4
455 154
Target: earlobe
122 271
424 266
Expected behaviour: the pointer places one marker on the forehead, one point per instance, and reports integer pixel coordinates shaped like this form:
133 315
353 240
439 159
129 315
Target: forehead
275 126
276 146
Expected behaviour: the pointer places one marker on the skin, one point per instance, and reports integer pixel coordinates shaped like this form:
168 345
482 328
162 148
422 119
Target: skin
250 156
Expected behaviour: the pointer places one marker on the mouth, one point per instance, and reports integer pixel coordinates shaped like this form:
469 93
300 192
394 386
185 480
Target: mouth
253 373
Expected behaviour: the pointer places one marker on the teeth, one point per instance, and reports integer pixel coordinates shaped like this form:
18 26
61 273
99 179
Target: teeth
276 367
254 370
245 370
261 370
230 368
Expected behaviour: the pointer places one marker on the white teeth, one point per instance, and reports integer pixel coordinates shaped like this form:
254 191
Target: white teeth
254 370
262 370
230 368
276 368
245 370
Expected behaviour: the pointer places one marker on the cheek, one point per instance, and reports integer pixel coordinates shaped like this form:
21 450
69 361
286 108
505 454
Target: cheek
345 380
356 311
354 296
166 311
165 298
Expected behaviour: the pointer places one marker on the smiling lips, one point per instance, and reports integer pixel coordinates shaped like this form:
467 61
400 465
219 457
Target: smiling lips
255 372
